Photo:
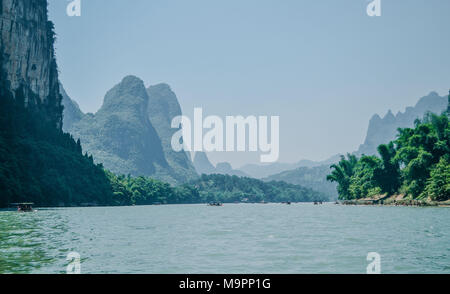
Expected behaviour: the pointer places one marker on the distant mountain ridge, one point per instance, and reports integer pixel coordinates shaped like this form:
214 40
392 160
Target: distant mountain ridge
309 177
261 171
130 134
380 131
384 130
204 166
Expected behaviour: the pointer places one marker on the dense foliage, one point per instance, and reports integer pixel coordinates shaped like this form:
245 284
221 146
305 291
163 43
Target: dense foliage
416 164
144 191
208 188
41 164
226 188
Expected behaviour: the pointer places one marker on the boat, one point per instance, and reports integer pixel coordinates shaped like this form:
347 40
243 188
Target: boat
24 207
215 204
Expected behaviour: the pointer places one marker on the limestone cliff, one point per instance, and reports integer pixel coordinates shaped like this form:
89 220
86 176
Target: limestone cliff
26 45
38 162
131 132
162 107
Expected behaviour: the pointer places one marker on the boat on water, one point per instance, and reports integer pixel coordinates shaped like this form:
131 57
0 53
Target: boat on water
24 207
215 204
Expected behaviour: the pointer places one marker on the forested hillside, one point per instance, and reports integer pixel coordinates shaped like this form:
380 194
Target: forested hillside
228 188
208 188
41 164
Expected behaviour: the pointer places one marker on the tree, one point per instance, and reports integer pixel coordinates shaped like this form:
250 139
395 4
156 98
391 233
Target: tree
416 163
387 175
362 183
419 149
342 173
438 185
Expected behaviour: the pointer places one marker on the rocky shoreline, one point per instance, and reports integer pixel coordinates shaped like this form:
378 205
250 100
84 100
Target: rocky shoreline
396 200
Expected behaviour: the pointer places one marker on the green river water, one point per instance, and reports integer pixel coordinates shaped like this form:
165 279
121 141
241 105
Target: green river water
235 238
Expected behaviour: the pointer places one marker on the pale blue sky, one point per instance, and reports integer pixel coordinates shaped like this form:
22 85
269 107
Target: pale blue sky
323 66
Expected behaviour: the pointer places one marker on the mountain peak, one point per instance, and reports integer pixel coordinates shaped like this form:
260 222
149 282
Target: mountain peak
131 79
128 93
161 86
131 84
428 100
389 113
131 133
163 104
162 107
375 118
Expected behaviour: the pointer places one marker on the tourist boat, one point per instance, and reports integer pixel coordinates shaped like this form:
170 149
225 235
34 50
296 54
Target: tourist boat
215 204
24 207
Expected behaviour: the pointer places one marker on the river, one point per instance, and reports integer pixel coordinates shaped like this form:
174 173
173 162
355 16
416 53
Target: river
235 238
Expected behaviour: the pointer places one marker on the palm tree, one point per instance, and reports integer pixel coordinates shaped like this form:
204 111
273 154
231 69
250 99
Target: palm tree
388 176
342 173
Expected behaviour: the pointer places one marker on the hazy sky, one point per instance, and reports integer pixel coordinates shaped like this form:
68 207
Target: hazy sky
324 66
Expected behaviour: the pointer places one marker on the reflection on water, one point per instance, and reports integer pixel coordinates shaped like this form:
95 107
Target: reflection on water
244 238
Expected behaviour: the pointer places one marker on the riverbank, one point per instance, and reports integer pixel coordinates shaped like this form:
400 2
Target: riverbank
396 200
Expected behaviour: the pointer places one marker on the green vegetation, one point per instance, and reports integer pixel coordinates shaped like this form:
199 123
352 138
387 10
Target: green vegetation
41 164
208 188
226 188
416 164
144 191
